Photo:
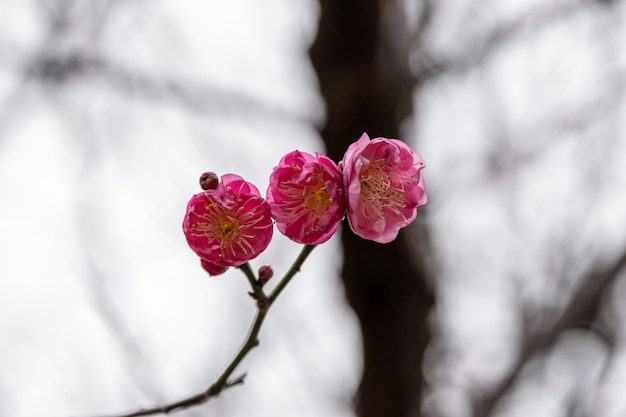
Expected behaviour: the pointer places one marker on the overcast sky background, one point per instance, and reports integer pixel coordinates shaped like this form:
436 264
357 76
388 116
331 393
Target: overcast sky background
110 110
104 307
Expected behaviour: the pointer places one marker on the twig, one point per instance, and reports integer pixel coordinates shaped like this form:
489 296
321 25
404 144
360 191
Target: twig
295 268
257 288
582 308
221 383
187 402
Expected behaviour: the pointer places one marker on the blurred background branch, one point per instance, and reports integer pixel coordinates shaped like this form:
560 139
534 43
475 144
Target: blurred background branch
581 312
504 298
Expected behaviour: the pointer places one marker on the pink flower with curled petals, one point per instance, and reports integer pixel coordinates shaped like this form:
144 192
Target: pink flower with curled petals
228 225
383 186
305 195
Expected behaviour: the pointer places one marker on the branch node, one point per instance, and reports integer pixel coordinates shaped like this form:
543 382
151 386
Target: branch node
263 305
214 390
239 380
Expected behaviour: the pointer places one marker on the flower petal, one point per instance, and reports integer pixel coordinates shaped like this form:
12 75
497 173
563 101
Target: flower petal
383 186
305 195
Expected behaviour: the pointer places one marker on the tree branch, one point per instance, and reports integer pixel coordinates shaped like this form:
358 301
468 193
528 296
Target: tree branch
361 57
581 311
295 268
482 48
221 383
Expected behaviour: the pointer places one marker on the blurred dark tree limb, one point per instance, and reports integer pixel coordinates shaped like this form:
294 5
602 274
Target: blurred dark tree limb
581 312
480 48
361 56
70 52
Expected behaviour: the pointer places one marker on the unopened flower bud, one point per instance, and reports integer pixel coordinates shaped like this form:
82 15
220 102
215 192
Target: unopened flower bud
265 273
209 181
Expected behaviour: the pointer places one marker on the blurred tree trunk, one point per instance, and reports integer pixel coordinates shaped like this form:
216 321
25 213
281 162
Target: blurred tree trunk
365 80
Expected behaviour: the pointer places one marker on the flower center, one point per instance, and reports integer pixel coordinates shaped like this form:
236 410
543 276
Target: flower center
317 198
382 190
310 197
226 228
233 231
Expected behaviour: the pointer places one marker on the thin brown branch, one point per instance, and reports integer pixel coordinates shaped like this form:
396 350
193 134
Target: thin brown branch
222 382
185 403
581 311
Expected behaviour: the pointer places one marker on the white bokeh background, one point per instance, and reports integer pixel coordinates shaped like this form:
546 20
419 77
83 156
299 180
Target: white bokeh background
110 110
104 308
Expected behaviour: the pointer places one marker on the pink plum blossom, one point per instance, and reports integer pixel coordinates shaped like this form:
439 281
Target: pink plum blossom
383 186
305 195
228 225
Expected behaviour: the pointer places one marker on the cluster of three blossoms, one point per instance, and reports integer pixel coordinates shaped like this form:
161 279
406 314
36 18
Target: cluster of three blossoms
378 184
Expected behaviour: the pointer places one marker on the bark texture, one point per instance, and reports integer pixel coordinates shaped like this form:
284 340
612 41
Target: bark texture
362 63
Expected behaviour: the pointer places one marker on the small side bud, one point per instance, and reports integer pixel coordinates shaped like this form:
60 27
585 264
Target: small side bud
209 181
265 273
